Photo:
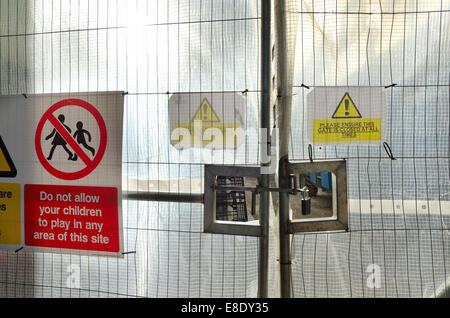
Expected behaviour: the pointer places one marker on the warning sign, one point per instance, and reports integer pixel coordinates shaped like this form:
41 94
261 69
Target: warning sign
10 221
81 218
346 108
61 137
207 120
7 167
346 115
205 112
66 153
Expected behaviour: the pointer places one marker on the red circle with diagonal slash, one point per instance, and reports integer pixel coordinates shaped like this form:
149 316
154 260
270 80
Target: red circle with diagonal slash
90 164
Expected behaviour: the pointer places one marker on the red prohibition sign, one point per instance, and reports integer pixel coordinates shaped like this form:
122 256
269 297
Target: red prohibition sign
91 164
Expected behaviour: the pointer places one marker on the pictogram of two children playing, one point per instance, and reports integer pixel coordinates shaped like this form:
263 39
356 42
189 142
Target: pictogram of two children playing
58 140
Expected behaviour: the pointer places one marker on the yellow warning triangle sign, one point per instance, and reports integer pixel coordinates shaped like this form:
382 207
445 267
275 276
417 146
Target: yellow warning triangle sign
346 108
7 168
205 112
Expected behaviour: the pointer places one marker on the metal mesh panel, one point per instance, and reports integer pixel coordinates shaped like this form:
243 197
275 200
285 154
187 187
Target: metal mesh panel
149 49
398 208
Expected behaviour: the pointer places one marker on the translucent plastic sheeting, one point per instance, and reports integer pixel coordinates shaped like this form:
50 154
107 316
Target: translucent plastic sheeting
399 209
150 50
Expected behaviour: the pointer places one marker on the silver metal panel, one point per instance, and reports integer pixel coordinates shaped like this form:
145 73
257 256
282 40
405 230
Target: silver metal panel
339 169
210 224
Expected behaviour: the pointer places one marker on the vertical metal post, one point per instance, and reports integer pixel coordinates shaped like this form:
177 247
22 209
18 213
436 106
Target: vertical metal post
266 92
284 95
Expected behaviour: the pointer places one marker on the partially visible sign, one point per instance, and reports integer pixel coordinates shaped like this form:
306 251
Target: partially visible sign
7 167
207 120
10 218
346 115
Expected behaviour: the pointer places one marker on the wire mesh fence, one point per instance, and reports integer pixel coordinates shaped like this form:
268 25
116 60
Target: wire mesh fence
150 50
398 214
397 244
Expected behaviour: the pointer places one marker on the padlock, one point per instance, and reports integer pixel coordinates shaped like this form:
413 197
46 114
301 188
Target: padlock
306 202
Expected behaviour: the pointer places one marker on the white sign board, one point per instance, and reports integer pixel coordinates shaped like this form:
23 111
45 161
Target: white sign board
346 115
60 172
202 120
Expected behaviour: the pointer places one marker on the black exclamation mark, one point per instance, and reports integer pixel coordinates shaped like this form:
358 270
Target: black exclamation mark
346 108
205 112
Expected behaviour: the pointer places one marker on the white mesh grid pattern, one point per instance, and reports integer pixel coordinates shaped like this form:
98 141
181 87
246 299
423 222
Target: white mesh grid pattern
152 48
399 216
148 49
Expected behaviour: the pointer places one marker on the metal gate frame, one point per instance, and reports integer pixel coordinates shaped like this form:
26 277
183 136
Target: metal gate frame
275 107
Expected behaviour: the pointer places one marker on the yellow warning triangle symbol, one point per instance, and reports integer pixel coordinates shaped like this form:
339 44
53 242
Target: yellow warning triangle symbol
346 108
7 168
205 112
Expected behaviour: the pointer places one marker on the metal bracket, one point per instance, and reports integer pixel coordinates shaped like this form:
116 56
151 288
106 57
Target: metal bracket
210 222
339 220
